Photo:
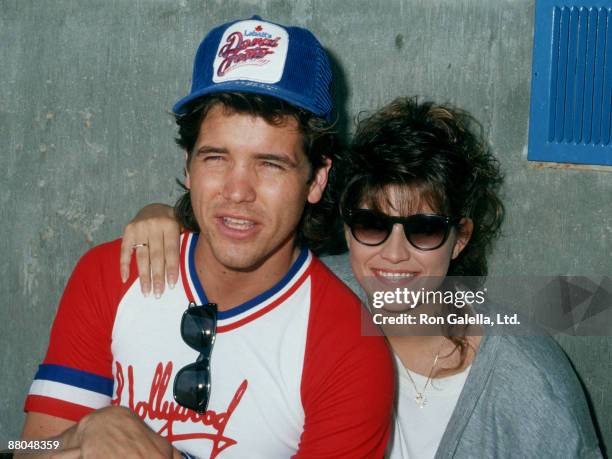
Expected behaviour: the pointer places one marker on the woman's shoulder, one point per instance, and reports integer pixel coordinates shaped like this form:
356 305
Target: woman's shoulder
525 387
532 377
535 360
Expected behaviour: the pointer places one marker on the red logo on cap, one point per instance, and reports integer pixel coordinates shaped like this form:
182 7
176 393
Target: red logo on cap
237 49
259 28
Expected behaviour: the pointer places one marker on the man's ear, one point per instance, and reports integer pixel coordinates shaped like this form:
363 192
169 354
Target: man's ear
187 178
464 233
318 183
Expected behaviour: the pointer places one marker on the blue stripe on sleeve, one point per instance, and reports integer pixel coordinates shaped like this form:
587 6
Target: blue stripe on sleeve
77 378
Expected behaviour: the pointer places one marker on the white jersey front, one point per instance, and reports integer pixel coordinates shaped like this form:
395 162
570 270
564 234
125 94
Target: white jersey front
289 369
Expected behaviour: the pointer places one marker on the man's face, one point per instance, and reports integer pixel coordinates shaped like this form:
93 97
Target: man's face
249 185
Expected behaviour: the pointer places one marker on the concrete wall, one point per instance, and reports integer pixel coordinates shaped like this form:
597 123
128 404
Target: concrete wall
86 139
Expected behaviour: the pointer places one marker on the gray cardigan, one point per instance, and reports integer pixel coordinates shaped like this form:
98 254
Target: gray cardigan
521 399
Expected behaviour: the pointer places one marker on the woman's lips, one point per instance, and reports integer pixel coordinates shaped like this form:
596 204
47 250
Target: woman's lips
393 277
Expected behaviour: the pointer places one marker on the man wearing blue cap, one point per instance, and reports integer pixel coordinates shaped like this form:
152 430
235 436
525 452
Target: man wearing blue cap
258 351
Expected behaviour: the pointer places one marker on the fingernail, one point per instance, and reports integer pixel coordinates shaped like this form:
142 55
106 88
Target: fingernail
157 295
145 293
124 277
171 283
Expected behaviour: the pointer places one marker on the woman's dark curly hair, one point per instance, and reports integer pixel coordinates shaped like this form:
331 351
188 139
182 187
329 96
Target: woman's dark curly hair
435 152
427 154
319 144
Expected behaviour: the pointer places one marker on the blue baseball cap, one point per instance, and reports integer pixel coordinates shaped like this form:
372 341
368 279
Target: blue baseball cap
261 57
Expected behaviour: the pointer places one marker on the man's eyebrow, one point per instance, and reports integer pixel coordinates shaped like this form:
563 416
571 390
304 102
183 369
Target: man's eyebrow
210 149
282 158
277 157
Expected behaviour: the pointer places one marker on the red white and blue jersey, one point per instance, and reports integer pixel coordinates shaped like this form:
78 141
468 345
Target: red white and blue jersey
291 374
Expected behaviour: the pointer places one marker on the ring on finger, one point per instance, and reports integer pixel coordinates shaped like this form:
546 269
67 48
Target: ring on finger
141 244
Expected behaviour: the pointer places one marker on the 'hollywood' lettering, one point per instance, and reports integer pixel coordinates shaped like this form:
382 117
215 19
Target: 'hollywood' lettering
158 408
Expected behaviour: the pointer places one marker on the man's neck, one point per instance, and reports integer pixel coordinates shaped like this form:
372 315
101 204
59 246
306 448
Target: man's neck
229 288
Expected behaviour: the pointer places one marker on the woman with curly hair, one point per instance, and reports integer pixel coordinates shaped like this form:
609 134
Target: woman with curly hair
417 194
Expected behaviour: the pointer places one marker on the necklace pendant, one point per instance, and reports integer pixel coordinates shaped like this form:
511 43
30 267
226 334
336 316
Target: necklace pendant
420 400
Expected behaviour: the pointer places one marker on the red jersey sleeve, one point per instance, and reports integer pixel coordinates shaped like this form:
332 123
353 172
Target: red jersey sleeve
348 379
76 376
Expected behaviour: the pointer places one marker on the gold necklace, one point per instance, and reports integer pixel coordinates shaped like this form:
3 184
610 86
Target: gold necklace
420 399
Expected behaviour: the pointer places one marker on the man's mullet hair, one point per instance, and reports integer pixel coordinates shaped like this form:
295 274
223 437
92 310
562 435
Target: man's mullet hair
319 143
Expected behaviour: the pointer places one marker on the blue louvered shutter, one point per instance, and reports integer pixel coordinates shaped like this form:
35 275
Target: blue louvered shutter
571 88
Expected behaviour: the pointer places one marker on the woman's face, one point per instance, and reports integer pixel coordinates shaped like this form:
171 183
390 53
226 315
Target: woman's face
396 262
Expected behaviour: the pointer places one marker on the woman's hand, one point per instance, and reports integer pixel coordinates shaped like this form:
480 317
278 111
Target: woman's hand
154 234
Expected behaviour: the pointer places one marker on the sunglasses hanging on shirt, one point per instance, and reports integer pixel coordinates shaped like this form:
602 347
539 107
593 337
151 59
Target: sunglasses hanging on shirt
192 382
